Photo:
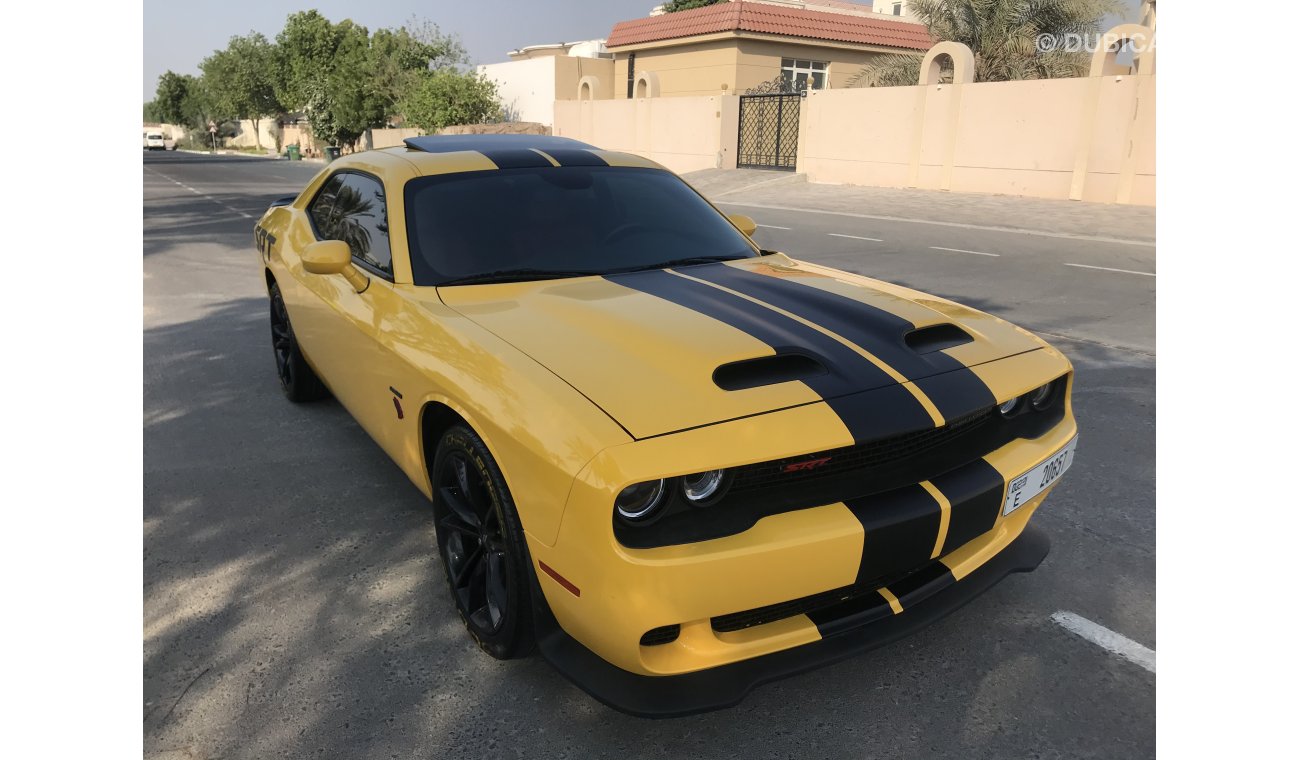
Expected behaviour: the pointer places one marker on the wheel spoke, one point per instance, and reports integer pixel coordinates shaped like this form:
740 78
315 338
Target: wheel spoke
468 566
454 523
459 507
496 586
476 595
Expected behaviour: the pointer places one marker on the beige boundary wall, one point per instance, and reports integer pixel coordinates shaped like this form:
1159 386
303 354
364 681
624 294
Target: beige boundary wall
1089 139
684 134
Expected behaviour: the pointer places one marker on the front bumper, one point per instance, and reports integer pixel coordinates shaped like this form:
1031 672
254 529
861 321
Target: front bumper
859 631
704 597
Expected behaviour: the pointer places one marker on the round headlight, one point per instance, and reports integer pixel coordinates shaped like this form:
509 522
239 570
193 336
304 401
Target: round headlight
641 501
1008 407
701 488
1041 397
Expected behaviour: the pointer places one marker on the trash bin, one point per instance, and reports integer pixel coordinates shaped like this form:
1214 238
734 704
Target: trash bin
331 153
292 153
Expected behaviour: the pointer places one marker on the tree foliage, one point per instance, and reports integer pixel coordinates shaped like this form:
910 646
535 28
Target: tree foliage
672 6
345 79
169 102
444 97
1003 35
240 80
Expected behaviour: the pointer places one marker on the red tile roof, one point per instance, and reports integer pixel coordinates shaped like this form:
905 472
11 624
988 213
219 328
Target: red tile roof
770 19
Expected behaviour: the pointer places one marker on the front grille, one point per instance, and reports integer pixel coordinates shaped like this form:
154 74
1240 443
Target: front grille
870 455
664 634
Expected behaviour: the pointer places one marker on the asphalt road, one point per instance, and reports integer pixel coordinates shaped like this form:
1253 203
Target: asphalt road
292 604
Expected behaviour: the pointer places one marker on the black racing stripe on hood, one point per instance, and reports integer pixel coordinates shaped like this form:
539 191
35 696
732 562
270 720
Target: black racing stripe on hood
876 330
888 409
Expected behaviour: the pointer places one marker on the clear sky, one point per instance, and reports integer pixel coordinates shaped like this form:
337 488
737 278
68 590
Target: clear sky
179 35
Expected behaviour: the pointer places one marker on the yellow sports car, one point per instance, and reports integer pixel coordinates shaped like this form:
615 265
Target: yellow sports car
677 464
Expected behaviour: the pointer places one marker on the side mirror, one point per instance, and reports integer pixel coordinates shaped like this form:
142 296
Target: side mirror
744 223
333 257
326 257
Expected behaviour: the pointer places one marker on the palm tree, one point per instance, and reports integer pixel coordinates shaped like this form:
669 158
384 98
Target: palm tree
1004 36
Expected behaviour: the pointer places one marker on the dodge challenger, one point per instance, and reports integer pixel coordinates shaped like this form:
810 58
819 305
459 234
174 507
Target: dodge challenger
677 464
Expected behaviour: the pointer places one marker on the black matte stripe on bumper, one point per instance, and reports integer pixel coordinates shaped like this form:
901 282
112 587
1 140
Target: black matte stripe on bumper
879 332
727 685
850 614
867 400
975 493
899 530
922 584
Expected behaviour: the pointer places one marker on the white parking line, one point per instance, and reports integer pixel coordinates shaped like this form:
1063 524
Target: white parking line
1109 269
961 250
855 237
1106 639
771 227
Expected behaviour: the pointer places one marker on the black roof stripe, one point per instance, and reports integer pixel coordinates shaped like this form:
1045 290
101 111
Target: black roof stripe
486 143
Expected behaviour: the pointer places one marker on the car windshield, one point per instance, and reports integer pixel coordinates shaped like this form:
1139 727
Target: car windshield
532 224
155 137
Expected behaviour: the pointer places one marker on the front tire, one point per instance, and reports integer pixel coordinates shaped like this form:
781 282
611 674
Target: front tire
297 380
482 545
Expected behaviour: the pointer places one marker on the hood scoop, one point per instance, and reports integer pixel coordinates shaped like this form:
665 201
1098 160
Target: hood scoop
766 370
927 340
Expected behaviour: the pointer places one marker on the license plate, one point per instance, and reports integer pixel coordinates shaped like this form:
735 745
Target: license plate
1037 480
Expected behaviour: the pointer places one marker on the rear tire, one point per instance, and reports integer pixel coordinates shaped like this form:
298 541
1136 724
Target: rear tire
482 546
299 383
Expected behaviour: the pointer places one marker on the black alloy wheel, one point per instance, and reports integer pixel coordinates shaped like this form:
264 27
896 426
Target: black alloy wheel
481 544
297 379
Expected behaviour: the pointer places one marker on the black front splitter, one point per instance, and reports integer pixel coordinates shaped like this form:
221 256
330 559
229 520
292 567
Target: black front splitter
727 685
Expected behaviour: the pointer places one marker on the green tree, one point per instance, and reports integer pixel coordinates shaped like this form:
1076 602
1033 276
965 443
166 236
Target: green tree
348 80
1003 35
445 97
399 56
169 104
304 58
672 6
241 80
199 107
151 113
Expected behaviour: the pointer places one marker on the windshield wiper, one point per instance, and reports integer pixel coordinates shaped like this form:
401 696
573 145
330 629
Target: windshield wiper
515 275
682 263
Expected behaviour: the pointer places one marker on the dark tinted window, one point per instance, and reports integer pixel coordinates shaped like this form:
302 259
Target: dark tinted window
352 208
560 220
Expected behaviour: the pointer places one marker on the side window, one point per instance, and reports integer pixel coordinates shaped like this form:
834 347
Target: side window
322 208
352 208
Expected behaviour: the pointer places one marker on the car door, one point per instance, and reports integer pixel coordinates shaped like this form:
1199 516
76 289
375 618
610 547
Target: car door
340 327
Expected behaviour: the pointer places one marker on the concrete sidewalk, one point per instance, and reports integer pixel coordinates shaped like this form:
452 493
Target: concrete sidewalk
793 192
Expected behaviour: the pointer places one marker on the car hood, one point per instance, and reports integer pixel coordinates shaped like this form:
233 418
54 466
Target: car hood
669 350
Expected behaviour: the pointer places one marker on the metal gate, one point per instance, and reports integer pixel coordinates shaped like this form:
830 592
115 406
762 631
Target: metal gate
769 131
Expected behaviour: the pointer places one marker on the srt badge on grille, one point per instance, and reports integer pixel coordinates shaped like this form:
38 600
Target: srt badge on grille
810 464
